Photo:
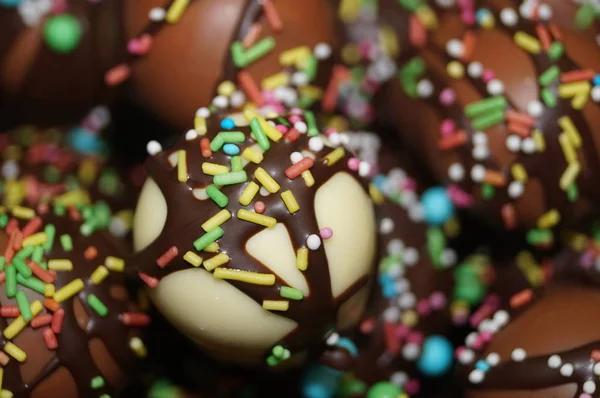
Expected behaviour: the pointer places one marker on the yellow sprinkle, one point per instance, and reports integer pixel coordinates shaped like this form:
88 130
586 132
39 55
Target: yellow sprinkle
274 81
256 218
213 169
252 155
200 125
88 171
569 90
216 261
226 88
302 259
518 172
15 352
571 131
14 192
539 140
455 69
19 323
1 377
527 42
193 258
351 54
569 175
266 180
99 275
579 101
427 17
245 276
182 169
35 240
60 265
567 148
549 219
72 198
212 248
529 268
114 264
176 10
334 156
49 290
349 10
376 195
276 305
295 56
311 91
452 227
290 201
69 290
270 130
249 193
6 394
409 318
23 212
216 220
389 41
308 178
2 209
137 346
578 242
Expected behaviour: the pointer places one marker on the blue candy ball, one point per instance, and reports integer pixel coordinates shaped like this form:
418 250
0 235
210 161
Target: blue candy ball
436 357
9 3
227 123
231 149
437 206
320 382
85 141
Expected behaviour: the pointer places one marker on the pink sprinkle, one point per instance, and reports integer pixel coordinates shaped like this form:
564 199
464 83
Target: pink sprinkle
329 131
326 233
459 351
281 128
468 17
141 45
412 387
269 96
117 75
295 119
459 197
447 127
478 343
59 7
584 395
364 48
447 97
492 300
259 207
486 336
488 75
296 111
423 307
587 259
415 338
437 300
409 184
402 331
353 164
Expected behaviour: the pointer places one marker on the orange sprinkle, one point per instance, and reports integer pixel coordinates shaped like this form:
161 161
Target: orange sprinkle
252 36
452 141
521 298
577 75
12 225
292 135
259 207
468 40
595 355
519 117
205 148
417 34
117 75
4 359
494 178
74 214
518 129
51 304
330 97
150 281
90 253
18 240
555 32
272 15
32 226
43 208
250 87
42 274
544 36
509 216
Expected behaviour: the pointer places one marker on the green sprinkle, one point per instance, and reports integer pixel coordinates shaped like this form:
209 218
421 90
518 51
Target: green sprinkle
50 231
236 164
97 305
410 5
32 283
217 196
550 75
488 191
291 293
492 104
573 193
389 262
88 227
226 137
351 387
585 16
311 123
2 263
235 177
306 101
38 254
259 50
436 243
548 97
110 182
102 214
66 242
87 212
556 50
238 55
60 210
208 238
489 119
260 135
272 361
414 68
21 267
384 389
62 33
24 306
104 396
216 143
310 67
283 121
11 281
538 237
25 252
97 382
3 220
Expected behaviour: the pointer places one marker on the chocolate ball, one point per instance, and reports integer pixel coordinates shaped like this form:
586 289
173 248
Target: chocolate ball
53 58
500 100
222 52
257 239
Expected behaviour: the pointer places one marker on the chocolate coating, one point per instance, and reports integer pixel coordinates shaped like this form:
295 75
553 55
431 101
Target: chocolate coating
41 86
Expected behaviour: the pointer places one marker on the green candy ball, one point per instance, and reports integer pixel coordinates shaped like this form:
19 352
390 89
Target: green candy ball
470 290
62 33
384 389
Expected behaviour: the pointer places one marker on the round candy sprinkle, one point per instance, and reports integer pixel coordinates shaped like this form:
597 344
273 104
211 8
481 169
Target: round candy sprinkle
313 242
62 33
437 356
438 206
385 390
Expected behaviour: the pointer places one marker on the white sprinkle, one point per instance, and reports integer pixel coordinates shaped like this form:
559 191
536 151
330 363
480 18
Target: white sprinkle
237 99
495 87
117 227
448 258
455 48
456 172
300 79
526 9
509 17
391 314
488 325
313 242
566 370
445 3
501 317
544 12
416 213
386 226
220 101
480 138
203 112
315 144
528 145
287 95
399 378
476 376
515 189
466 356
535 108
191 135
333 339
478 173
424 88
411 351
554 362
10 170
596 94
153 148
480 152
493 359
364 169
263 191
157 14
395 246
513 143
407 300
402 285
335 139
200 193
301 127
295 157
471 339
589 387
322 51
410 255
596 369
395 270
475 69
518 354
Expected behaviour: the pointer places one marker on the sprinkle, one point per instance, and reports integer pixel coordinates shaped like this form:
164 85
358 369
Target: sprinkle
135 319
302 258
313 130
494 178
550 75
276 305
205 148
167 256
115 264
182 169
50 231
176 11
570 130
298 168
250 88
544 36
69 290
11 281
41 320
484 106
452 141
193 258
272 15
556 51
340 74
227 137
252 155
290 201
260 207
138 347
277 80
97 305
9 311
520 118
212 248
117 75
149 280
41 273
308 178
236 163
97 382
243 58
99 274
521 298
231 149
21 267
24 306
245 276
216 261
49 291
19 323
266 180
15 352
252 35
208 238
51 304
488 120
527 42
540 141
334 156
23 212
577 75
259 133
216 220
217 196
32 283
567 148
326 233
291 293
567 179
60 265
32 226
249 193
313 242
294 56
4 361
255 218
509 217
235 177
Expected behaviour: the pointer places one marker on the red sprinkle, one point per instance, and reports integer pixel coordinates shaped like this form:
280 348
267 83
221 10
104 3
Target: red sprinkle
252 35
259 207
298 168
117 75
292 135
57 320
509 216
577 75
167 256
90 253
417 33
250 87
392 344
544 36
43 208
521 298
368 325
521 118
51 304
272 15
50 339
148 280
595 355
11 225
2 277
32 227
9 311
452 141
41 320
18 240
329 101
140 45
44 275
137 319
74 214
205 148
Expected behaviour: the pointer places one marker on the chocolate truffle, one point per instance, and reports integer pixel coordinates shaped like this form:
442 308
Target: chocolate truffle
188 54
53 57
500 99
69 327
258 238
